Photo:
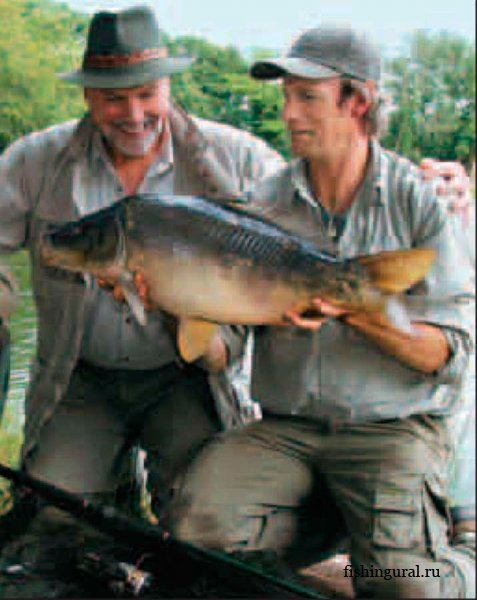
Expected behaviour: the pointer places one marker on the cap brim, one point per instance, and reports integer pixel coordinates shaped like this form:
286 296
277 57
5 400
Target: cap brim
299 67
121 77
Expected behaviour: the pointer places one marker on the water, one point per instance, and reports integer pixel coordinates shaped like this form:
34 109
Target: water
23 333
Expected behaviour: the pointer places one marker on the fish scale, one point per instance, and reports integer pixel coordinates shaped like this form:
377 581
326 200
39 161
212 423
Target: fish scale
233 231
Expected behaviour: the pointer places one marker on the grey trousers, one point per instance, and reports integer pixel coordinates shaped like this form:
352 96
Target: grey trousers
168 411
283 483
462 483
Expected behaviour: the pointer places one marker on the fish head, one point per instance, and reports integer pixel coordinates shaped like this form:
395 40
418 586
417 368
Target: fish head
93 244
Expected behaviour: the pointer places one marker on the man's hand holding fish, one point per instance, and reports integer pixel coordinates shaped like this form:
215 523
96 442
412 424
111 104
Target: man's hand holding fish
353 443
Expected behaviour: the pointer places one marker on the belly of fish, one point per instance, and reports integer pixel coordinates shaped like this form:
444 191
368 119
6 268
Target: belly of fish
200 287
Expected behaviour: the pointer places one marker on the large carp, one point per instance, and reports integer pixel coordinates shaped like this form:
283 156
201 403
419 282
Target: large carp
207 263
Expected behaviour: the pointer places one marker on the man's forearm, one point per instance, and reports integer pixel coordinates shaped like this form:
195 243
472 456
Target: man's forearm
426 349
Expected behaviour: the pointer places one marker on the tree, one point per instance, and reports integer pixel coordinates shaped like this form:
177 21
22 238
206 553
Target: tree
432 85
218 87
433 94
40 43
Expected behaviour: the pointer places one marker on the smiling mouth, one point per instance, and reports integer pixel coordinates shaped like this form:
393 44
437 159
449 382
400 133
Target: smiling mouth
134 131
137 129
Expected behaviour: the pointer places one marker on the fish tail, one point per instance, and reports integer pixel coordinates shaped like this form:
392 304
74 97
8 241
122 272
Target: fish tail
394 271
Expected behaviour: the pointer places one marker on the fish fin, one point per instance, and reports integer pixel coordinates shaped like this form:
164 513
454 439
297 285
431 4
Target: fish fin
193 337
133 300
395 271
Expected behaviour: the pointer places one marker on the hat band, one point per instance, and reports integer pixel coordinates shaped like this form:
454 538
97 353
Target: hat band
118 60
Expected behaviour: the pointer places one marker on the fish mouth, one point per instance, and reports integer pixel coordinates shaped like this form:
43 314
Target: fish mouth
78 245
65 259
47 253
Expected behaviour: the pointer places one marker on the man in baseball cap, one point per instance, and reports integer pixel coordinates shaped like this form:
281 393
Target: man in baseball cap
353 442
322 53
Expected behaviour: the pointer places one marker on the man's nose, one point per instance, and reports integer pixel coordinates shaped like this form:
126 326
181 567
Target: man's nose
289 110
134 111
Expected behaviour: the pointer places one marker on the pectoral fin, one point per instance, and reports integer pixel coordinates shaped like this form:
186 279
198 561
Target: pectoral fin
133 300
193 338
395 271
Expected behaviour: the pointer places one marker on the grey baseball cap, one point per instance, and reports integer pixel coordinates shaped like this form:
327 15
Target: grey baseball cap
324 52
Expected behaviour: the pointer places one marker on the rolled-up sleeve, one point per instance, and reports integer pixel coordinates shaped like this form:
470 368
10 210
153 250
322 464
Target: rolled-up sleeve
448 294
460 351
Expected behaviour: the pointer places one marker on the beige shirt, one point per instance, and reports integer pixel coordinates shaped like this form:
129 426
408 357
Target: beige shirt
113 338
336 373
40 175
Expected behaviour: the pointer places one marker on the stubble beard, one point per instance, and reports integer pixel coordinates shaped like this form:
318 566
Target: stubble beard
132 148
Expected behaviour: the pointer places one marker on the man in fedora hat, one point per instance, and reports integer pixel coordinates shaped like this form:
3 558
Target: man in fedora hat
99 380
354 437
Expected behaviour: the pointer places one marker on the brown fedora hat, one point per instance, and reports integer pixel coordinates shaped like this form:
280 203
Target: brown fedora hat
125 49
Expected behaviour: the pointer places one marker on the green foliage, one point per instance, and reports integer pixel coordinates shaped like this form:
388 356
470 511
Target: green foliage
42 39
432 84
46 38
218 87
433 92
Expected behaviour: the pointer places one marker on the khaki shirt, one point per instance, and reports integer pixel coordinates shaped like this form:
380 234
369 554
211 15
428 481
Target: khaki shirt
336 373
113 338
41 176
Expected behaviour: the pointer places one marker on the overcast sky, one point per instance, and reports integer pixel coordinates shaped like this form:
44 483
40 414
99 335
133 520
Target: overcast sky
272 23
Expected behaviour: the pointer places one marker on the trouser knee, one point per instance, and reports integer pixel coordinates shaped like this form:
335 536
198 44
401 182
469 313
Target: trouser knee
203 528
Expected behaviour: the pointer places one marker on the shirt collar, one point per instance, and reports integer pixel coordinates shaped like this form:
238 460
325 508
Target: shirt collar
372 190
300 181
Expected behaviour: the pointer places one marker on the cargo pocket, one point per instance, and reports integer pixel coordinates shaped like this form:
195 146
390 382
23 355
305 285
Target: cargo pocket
398 518
436 516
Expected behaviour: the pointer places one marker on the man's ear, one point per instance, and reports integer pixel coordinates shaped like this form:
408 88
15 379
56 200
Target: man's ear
362 99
